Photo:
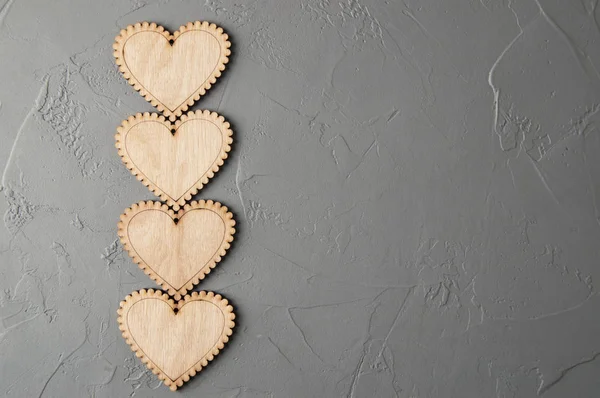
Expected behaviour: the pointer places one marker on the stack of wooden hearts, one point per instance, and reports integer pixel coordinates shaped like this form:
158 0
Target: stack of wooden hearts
178 242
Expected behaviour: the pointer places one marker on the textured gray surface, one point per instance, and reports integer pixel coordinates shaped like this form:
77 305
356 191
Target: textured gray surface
416 185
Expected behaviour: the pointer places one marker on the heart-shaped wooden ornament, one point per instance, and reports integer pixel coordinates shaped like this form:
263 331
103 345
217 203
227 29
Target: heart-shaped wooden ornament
175 339
172 71
177 250
174 165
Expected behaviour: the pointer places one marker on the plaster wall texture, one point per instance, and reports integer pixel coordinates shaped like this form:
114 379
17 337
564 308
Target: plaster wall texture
416 185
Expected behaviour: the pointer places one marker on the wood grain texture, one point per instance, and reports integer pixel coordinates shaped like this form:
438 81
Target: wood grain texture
172 71
175 339
174 160
177 250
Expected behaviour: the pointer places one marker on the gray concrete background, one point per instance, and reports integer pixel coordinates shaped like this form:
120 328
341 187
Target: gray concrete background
416 185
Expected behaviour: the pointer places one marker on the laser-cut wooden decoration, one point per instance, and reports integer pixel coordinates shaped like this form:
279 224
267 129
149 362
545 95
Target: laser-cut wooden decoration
174 155
177 256
174 165
172 71
175 339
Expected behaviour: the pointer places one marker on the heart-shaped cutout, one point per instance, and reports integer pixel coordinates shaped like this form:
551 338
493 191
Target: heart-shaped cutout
174 165
175 339
172 71
177 250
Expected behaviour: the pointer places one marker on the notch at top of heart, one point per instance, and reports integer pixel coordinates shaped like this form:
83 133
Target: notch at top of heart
172 71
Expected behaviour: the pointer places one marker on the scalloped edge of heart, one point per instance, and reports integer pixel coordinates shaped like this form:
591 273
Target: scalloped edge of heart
216 31
213 117
217 207
216 299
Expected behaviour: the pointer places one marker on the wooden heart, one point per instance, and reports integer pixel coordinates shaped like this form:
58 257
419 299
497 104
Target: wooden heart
172 71
177 250
174 165
175 339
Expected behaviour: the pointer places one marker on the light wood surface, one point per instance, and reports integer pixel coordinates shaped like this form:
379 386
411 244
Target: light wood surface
177 255
174 165
172 71
175 339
